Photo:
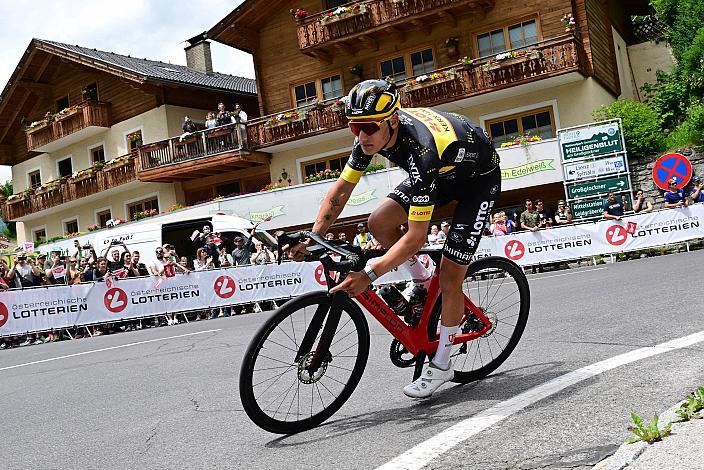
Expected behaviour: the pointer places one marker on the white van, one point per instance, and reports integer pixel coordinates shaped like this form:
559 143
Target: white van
174 228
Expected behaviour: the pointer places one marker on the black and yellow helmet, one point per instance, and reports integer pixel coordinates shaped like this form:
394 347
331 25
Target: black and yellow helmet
372 100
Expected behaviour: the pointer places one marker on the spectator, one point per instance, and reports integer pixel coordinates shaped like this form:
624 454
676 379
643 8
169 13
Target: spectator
330 236
101 270
675 197
198 237
23 273
513 222
5 281
223 117
444 230
183 262
203 261
362 236
74 275
563 215
373 243
48 263
642 204
188 125
697 194
262 255
41 260
165 266
530 219
141 268
242 254
210 121
239 117
433 235
116 263
542 213
498 228
613 209
211 250
224 258
342 237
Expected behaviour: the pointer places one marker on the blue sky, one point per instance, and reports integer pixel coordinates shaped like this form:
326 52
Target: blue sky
153 29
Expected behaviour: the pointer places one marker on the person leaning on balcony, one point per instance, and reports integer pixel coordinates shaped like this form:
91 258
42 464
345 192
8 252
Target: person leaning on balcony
210 121
643 205
697 192
239 117
188 125
563 215
675 197
613 208
223 117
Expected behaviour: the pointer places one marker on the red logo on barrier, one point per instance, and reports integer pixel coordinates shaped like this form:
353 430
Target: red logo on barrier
225 287
515 250
320 276
115 300
616 235
4 315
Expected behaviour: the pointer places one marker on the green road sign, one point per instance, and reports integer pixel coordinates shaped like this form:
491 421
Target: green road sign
591 141
598 187
593 207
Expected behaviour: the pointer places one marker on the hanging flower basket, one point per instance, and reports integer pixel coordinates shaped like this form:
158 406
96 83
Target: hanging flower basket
343 13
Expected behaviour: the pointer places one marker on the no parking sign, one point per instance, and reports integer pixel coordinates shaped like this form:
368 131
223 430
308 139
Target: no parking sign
669 165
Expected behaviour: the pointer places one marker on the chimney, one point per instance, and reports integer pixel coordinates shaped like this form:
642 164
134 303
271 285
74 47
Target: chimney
198 54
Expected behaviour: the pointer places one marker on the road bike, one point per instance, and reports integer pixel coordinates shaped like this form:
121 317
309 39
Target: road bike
307 358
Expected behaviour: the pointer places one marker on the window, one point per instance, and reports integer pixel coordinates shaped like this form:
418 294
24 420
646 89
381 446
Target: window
332 163
62 103
65 167
35 179
332 87
334 3
39 235
394 68
90 93
536 122
97 155
305 94
422 62
515 36
141 206
228 189
70 226
134 140
102 217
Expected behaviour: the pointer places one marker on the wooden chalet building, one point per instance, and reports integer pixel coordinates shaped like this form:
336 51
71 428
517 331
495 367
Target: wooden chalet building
516 68
84 164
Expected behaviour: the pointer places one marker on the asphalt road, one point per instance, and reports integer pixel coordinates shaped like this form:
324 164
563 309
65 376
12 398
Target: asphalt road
173 403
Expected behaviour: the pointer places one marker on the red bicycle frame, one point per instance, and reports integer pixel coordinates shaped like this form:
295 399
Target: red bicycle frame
415 338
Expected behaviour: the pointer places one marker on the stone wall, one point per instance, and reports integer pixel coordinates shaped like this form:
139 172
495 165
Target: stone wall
642 173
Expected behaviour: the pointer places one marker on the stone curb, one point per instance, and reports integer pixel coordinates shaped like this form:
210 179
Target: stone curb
629 453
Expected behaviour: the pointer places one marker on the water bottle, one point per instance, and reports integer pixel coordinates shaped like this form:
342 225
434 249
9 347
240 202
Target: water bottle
395 300
417 304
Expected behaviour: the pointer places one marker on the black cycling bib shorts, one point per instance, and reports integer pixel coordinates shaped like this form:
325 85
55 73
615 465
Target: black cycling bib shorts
447 159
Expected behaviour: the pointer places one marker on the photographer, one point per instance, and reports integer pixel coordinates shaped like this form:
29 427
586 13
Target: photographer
211 249
116 263
23 273
138 267
697 194
56 274
563 215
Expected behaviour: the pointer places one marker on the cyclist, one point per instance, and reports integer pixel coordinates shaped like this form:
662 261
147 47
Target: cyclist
447 159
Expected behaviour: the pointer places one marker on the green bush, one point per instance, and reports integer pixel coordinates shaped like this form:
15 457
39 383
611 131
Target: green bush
691 131
669 96
641 125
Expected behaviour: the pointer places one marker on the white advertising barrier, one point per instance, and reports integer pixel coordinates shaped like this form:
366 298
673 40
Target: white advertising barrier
46 308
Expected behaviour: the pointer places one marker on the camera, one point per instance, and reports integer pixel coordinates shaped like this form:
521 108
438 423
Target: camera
21 258
87 247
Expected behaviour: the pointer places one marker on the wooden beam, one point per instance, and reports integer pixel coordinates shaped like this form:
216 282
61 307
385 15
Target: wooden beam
322 55
34 86
42 68
423 26
21 69
369 42
345 49
254 157
400 34
14 115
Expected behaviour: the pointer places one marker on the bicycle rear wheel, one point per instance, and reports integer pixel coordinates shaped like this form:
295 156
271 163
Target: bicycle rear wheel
278 392
500 289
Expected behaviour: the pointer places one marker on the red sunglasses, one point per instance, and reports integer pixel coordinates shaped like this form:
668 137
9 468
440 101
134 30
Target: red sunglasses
369 128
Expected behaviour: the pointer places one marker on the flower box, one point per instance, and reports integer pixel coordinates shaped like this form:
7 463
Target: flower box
61 116
284 119
82 177
46 189
429 83
38 127
219 131
507 59
118 163
343 13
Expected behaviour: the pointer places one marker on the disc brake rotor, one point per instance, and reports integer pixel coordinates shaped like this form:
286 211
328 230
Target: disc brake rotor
304 375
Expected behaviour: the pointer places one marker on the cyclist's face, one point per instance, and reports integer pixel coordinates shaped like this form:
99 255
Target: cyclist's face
374 142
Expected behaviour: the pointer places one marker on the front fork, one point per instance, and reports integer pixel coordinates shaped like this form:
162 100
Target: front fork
328 319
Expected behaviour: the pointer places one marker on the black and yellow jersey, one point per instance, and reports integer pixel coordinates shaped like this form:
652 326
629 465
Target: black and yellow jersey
435 148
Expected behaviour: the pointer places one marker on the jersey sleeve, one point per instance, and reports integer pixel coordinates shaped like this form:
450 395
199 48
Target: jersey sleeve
356 164
424 190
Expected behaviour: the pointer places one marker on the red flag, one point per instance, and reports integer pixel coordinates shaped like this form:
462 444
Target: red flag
120 273
631 227
159 282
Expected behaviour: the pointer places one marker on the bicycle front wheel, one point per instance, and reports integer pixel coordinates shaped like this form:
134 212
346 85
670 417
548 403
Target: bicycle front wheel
500 289
278 391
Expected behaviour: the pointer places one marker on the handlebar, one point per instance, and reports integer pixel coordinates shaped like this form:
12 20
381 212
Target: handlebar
353 260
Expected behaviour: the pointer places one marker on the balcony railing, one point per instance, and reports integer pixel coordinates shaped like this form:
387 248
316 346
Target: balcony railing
85 115
547 59
85 183
368 16
192 146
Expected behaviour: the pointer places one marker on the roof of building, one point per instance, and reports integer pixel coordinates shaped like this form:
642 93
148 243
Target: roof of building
161 71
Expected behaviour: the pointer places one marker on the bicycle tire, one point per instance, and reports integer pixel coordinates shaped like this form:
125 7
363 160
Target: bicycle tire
254 406
512 269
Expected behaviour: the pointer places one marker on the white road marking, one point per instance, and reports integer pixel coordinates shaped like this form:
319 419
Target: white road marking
105 349
565 274
423 453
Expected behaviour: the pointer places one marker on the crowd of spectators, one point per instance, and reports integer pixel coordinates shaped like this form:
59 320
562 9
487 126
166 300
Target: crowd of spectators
223 117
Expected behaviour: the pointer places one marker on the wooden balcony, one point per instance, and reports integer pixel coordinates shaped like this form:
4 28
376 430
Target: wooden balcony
544 60
87 119
323 34
200 154
87 183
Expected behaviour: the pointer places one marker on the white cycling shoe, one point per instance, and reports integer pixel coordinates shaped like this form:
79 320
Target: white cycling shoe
430 380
